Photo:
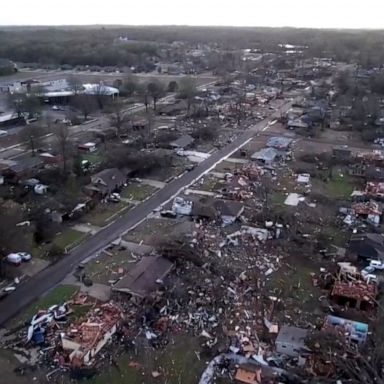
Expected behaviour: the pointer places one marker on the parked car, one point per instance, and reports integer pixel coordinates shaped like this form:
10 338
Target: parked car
18 257
25 256
3 133
377 264
368 275
114 198
14 259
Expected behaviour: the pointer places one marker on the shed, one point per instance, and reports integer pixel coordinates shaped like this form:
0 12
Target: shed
279 142
265 155
290 341
182 142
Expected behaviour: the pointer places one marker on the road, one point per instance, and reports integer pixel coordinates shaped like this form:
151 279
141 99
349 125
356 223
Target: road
88 76
48 278
102 122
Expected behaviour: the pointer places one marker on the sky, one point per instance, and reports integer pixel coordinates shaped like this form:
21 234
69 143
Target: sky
274 13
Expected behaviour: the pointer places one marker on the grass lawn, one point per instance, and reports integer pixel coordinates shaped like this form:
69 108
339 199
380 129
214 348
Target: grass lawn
226 166
177 363
104 213
138 192
106 267
93 157
69 238
210 184
58 295
294 286
340 187
277 198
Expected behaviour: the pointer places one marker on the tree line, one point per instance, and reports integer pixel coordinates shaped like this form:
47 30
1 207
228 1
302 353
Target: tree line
101 45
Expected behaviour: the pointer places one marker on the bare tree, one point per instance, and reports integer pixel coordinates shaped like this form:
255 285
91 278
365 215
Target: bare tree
32 136
64 144
130 86
155 90
188 90
23 103
75 84
118 117
86 104
142 90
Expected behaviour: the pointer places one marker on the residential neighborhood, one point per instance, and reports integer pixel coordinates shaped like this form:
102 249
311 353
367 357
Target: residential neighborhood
209 212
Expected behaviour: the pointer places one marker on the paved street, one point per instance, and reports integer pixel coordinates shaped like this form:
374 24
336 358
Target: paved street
41 283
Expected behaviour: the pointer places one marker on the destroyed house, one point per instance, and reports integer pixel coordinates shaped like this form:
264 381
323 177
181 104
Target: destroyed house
375 157
291 341
84 340
237 188
105 182
249 374
252 171
370 210
375 189
351 331
144 277
366 246
228 210
354 294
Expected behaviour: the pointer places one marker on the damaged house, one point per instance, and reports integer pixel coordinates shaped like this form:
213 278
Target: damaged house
351 331
106 182
267 156
291 341
370 211
375 190
84 341
229 210
144 277
367 246
237 188
354 294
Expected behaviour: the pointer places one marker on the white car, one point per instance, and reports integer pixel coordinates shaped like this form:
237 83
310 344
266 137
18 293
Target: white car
3 133
114 198
25 256
377 264
367 274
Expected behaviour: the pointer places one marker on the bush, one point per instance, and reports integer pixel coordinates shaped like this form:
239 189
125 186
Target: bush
55 252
